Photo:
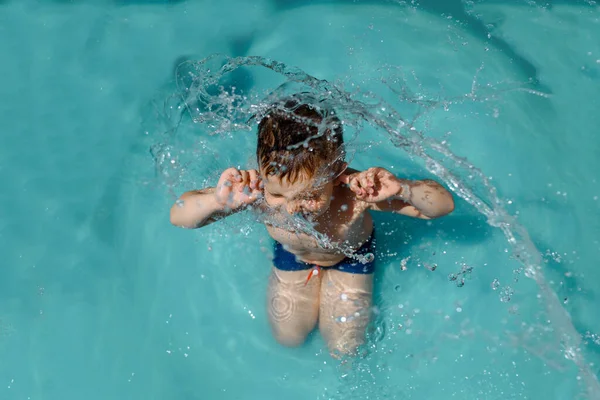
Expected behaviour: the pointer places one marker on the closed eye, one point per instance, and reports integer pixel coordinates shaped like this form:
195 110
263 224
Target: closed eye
311 196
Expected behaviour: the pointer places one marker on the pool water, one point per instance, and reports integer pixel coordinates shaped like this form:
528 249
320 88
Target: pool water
100 298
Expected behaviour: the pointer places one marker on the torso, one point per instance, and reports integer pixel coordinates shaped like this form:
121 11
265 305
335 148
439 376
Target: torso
346 223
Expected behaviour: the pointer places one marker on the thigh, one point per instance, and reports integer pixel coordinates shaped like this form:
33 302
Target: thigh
292 305
345 310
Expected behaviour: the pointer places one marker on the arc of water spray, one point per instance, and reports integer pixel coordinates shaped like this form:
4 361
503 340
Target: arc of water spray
414 142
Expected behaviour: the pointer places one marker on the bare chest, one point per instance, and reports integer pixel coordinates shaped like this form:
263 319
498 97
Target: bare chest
346 227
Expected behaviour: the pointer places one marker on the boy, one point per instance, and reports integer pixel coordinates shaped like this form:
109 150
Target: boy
302 173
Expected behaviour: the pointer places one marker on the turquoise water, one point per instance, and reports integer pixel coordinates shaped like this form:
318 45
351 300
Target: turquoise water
100 298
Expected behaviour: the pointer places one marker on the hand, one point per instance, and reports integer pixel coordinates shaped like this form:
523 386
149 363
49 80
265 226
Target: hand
238 189
374 185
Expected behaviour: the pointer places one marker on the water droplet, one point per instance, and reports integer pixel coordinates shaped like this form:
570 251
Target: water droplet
397 288
570 353
369 257
403 266
344 296
506 294
430 266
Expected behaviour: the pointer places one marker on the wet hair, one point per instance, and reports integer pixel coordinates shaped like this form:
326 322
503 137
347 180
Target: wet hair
298 139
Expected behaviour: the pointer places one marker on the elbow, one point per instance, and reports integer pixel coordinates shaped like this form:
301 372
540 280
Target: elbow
445 206
179 215
176 217
449 206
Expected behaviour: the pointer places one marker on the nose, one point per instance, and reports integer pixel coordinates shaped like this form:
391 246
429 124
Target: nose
293 207
301 206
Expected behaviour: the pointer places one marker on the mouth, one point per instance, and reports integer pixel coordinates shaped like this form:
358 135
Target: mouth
306 216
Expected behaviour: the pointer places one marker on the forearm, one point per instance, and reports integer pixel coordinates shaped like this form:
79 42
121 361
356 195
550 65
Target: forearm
196 209
428 197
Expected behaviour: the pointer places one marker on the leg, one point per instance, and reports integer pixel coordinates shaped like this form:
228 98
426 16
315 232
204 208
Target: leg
293 308
345 310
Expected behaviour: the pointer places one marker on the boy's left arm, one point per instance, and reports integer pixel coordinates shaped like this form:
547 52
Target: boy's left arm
383 191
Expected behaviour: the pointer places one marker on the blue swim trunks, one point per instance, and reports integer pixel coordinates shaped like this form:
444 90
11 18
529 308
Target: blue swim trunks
286 261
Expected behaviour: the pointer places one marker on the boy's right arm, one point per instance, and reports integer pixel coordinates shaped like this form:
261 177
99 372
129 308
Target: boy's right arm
235 191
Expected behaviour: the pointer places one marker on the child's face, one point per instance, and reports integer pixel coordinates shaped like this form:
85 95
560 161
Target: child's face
310 197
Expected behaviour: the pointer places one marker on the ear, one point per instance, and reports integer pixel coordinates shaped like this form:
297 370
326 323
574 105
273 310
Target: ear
341 175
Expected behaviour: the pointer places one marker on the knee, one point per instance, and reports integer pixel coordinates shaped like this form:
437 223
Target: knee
343 349
346 344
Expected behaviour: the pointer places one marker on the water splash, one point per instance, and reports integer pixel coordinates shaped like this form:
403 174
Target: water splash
296 223
222 111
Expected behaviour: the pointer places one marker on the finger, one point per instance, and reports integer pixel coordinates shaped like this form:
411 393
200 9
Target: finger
364 183
256 194
231 171
343 178
355 187
237 175
377 185
227 175
253 176
371 177
244 181
226 185
375 182
383 175
230 181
